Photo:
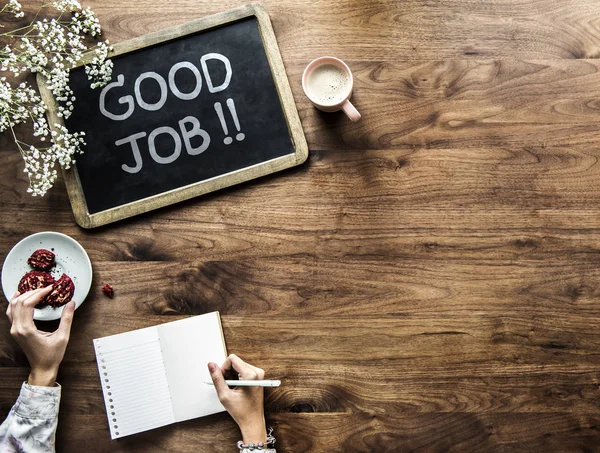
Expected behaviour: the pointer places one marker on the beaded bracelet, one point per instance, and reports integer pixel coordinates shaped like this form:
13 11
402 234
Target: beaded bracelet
260 445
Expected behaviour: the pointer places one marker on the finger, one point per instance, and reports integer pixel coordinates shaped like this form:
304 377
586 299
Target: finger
260 373
32 298
9 310
228 371
243 369
23 308
16 298
219 381
8 307
22 318
226 364
66 320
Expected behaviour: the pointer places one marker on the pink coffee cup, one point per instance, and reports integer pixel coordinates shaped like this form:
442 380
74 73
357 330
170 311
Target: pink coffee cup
328 82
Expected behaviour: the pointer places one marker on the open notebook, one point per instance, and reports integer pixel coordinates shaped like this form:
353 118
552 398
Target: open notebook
155 376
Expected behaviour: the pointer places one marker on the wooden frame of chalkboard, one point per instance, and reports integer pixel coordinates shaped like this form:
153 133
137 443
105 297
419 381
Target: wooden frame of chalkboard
296 134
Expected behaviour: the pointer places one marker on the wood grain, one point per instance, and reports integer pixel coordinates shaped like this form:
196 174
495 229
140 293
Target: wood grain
427 282
396 30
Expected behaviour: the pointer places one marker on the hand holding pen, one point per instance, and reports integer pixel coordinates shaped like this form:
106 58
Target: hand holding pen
245 404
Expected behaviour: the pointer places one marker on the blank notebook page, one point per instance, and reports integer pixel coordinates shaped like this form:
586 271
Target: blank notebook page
134 382
155 376
187 347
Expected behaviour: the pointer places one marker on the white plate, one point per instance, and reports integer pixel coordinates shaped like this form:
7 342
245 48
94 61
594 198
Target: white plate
71 259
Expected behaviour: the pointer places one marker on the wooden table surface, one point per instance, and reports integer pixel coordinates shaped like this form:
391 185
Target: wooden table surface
428 281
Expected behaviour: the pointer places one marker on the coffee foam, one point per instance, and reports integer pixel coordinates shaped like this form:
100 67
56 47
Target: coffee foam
328 84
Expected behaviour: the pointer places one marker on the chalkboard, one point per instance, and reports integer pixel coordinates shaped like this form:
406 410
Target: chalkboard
189 110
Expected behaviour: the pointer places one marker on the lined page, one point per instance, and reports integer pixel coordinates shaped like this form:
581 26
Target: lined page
134 382
188 345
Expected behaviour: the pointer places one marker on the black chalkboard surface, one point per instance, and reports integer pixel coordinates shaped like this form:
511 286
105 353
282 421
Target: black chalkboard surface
193 110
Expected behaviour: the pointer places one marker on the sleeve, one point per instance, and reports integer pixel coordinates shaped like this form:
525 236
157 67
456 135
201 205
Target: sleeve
31 424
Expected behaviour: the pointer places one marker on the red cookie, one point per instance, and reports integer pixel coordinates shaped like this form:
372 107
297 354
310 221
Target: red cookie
35 280
62 292
41 259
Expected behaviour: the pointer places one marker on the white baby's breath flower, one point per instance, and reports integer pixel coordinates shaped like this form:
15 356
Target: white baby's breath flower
67 5
50 47
14 7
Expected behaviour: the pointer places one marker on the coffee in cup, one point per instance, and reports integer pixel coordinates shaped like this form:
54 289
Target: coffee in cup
327 81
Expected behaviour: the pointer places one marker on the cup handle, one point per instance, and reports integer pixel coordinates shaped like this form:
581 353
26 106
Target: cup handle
351 111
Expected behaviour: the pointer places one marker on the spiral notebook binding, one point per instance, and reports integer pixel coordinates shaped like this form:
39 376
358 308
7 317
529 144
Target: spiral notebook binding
105 382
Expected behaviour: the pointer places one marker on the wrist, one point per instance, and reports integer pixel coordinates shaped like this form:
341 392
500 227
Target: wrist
254 432
42 378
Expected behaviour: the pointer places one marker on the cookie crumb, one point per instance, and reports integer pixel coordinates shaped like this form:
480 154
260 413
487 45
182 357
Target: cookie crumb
108 291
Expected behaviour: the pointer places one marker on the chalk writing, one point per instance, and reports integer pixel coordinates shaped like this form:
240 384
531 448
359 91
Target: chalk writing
240 136
195 131
189 127
219 109
122 100
173 87
225 60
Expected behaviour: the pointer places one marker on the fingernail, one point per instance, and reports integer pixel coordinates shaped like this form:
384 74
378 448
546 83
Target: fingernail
212 366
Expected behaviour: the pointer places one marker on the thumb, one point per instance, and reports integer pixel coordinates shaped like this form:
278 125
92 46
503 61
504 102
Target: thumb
66 319
218 379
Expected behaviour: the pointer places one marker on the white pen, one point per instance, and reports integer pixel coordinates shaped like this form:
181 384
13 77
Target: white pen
249 383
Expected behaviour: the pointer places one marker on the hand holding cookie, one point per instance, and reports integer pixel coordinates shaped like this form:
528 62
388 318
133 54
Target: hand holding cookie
62 289
44 350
